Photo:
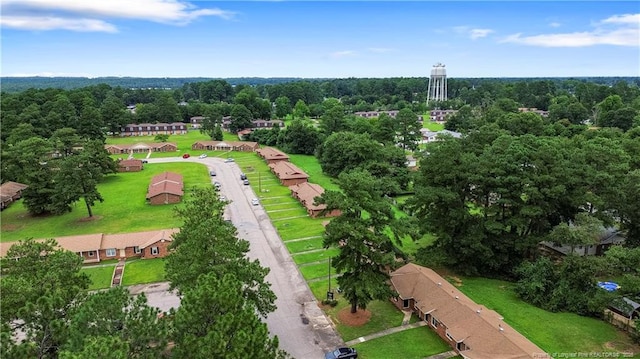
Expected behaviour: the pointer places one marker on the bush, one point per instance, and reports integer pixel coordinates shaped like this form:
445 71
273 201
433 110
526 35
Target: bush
332 302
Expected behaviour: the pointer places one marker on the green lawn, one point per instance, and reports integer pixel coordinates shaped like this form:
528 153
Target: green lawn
383 315
140 271
124 208
315 256
432 126
304 245
414 343
318 270
100 276
311 166
553 332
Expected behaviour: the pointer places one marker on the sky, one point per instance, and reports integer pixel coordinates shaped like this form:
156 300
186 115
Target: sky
319 39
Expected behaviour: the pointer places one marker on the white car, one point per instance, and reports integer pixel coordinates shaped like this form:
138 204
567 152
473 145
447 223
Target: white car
204 155
255 202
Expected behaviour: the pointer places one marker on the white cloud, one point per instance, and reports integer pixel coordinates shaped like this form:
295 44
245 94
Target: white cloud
471 32
555 24
52 23
341 54
478 33
618 30
72 14
623 19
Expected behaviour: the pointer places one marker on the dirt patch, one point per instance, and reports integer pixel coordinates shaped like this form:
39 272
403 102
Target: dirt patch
356 319
90 219
10 227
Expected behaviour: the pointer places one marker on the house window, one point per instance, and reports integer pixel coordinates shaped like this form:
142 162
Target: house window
91 253
136 250
434 322
154 251
449 336
111 252
157 128
405 303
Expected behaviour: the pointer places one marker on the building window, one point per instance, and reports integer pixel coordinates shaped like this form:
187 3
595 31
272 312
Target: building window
91 253
434 322
111 252
449 336
154 251
405 303
136 250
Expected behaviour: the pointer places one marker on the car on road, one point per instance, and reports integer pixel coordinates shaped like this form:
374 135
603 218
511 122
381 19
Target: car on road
342 353
229 160
212 173
223 198
186 155
255 202
204 155
217 185
246 182
243 176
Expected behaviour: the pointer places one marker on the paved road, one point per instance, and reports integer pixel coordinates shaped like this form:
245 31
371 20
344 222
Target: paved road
301 326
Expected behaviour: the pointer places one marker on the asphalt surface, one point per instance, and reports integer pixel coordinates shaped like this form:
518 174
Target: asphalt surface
302 328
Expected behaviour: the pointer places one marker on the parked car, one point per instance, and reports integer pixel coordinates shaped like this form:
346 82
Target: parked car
145 161
229 160
204 155
243 176
342 353
255 202
186 155
223 198
212 173
246 182
217 185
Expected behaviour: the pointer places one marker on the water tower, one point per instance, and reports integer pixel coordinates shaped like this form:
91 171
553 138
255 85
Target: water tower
437 84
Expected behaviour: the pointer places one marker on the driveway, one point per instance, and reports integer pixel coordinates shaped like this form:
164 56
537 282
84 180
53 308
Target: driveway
302 328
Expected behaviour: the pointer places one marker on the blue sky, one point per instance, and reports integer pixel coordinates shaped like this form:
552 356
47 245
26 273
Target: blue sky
326 39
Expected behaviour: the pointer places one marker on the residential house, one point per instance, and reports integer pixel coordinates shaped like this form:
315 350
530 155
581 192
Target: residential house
97 247
440 115
372 114
152 129
141 148
130 165
608 237
151 244
267 123
542 113
272 155
288 173
226 146
10 192
196 121
429 136
243 133
165 188
306 193
472 330
412 163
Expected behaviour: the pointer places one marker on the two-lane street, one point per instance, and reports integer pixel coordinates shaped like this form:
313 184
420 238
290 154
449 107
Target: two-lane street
302 328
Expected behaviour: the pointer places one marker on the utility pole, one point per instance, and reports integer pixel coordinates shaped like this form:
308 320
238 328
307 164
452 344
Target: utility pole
329 292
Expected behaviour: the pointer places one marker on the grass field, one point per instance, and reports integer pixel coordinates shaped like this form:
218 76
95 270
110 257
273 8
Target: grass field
124 208
414 343
553 332
383 315
432 126
140 271
100 276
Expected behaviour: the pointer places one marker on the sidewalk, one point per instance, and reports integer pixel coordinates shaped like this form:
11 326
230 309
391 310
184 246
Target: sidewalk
386 332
